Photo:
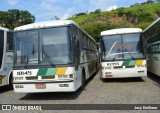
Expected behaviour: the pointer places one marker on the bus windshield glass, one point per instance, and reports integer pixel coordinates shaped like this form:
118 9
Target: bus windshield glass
122 46
48 46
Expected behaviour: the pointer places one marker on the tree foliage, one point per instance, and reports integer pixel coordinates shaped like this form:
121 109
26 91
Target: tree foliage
14 18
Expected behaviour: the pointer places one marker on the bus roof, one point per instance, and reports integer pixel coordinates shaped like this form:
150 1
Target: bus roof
45 24
49 24
2 28
121 31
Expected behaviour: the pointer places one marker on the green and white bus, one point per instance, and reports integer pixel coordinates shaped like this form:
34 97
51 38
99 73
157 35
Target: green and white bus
52 56
151 36
6 57
122 53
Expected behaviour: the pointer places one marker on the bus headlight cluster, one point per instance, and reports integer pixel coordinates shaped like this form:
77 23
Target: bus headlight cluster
18 78
65 76
141 65
106 68
108 73
62 76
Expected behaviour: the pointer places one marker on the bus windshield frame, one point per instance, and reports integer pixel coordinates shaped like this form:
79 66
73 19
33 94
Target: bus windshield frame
127 46
43 47
1 46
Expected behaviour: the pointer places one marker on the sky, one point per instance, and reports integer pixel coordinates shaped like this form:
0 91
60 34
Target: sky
45 10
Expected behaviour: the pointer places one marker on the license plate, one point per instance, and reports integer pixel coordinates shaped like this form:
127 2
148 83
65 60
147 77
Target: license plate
109 76
40 86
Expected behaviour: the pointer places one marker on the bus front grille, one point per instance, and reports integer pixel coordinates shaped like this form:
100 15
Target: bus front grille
130 66
118 67
48 77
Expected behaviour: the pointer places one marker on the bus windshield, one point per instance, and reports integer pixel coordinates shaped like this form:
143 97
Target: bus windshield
122 46
48 46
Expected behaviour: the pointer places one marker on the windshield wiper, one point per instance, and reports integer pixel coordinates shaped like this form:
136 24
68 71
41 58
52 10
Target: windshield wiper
26 63
48 58
129 52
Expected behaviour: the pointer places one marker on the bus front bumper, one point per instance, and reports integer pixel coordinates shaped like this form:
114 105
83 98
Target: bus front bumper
123 73
37 87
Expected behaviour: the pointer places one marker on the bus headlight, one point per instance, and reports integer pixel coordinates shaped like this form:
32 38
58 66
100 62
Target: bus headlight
62 76
141 65
18 78
107 67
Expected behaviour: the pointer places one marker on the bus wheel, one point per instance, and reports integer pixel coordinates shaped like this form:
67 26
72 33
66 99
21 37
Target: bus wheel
83 78
100 78
11 82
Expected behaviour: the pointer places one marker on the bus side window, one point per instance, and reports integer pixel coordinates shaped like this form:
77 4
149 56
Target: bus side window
9 41
81 37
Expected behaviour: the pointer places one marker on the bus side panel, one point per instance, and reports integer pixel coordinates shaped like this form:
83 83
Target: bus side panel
7 63
153 63
88 61
83 63
3 71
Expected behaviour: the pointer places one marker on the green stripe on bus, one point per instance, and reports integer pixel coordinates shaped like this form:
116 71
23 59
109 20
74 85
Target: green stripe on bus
125 63
51 71
42 72
132 62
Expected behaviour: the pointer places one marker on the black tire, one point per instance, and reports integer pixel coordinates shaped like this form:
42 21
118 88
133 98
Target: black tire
83 79
100 78
10 82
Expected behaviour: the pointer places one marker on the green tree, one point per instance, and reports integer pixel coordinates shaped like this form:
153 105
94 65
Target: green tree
97 11
14 18
150 1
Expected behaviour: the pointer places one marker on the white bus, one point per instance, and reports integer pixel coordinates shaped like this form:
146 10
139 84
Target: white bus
151 36
122 53
6 57
52 56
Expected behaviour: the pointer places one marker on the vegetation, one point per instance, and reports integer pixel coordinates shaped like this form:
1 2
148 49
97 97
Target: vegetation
139 15
14 18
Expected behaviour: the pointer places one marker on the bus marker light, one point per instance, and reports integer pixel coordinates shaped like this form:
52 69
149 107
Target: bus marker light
40 86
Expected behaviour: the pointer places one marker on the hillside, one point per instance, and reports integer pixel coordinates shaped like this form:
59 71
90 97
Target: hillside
135 16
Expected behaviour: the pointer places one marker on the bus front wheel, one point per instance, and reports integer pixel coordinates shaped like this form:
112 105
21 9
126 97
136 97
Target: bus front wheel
11 82
83 78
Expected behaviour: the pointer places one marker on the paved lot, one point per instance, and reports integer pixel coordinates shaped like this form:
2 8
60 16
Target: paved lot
144 90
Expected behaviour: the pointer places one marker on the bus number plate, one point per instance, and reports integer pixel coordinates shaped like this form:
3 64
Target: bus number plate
109 76
40 86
